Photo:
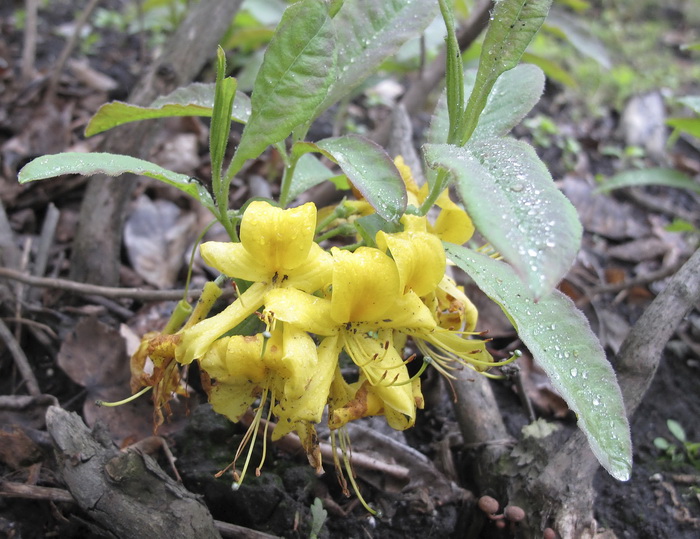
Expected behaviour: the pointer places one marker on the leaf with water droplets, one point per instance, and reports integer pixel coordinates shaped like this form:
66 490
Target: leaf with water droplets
513 202
371 171
561 341
88 164
196 99
368 33
298 69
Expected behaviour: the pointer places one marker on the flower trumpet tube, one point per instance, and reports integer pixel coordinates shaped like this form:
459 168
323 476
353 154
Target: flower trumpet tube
276 251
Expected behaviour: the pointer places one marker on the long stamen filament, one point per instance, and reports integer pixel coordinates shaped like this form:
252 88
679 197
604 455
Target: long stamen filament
347 452
267 426
252 432
124 401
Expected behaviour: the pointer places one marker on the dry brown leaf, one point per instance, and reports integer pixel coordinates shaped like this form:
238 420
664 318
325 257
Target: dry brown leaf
603 214
639 250
94 356
17 450
156 237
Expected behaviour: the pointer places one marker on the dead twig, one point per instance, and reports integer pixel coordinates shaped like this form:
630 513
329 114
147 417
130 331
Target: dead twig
29 45
641 280
20 359
85 289
32 492
68 48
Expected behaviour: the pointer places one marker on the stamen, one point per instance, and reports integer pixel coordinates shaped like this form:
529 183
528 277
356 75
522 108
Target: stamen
347 453
252 432
124 401
267 426
427 360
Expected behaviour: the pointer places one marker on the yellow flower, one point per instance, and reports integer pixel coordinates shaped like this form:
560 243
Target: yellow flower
284 367
420 259
419 256
452 223
365 307
276 251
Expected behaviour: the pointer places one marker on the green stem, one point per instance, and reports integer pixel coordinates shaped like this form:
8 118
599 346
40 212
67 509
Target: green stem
437 188
344 229
339 212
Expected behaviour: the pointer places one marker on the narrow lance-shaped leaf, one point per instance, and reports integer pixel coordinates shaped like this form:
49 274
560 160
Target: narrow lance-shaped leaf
88 164
196 99
294 78
562 343
649 176
513 25
224 93
371 171
369 31
514 95
511 198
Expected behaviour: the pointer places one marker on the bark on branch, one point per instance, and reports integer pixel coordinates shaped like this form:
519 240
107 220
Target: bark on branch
126 492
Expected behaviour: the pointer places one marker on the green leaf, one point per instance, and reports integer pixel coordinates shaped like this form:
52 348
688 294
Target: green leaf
513 25
687 125
650 176
225 92
88 164
308 173
371 171
562 343
691 101
511 198
578 33
196 99
675 428
551 69
298 69
369 32
514 95
661 443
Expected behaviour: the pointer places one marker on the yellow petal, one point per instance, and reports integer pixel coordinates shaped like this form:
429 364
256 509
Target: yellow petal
382 366
234 260
278 239
197 339
315 273
452 224
365 284
408 311
308 405
233 398
407 177
419 257
456 311
307 312
300 362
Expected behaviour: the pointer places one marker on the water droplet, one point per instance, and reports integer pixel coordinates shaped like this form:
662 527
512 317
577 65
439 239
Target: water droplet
596 401
574 372
517 187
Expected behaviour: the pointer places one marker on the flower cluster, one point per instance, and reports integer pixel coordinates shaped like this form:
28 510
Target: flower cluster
315 307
